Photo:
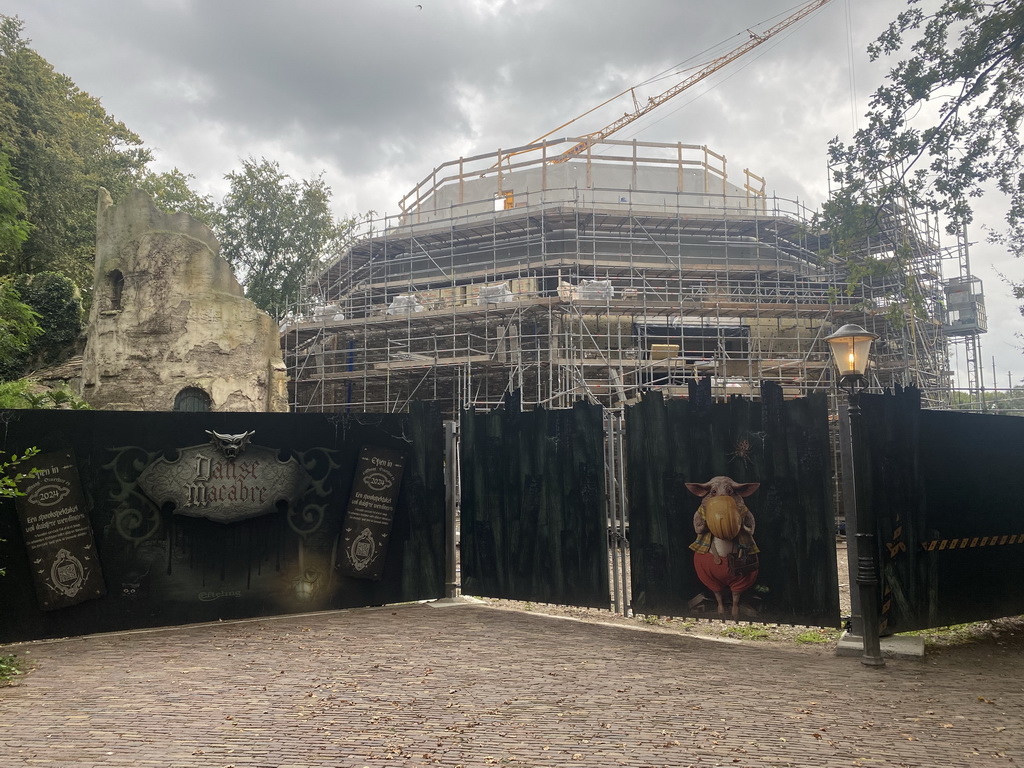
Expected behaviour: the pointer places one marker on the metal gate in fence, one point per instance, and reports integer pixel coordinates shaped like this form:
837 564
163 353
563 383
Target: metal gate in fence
555 501
618 514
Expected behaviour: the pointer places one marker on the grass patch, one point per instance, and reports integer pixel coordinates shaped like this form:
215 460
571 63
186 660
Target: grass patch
746 633
990 631
682 624
965 634
10 667
816 636
955 634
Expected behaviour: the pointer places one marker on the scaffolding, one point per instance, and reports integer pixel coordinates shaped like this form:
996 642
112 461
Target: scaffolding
636 266
904 301
965 321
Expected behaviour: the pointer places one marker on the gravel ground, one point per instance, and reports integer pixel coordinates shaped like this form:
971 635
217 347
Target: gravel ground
811 639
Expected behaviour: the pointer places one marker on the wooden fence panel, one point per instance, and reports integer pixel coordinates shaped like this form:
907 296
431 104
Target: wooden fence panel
784 446
185 534
533 521
945 489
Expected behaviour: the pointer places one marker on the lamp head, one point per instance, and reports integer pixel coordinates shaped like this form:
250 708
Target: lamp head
850 346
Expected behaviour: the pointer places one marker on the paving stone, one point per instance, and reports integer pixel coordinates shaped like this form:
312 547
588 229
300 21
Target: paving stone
476 686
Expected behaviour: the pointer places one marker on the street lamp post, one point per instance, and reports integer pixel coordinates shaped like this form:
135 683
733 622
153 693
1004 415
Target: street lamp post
850 346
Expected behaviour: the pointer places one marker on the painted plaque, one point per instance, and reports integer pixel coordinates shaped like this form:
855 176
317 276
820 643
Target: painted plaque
224 481
58 536
371 512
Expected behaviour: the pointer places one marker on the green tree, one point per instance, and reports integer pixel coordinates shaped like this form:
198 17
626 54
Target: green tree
31 394
18 327
964 66
171 192
62 146
14 227
57 304
275 231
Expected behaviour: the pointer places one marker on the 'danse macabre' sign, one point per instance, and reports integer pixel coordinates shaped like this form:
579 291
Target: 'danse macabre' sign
224 481
58 537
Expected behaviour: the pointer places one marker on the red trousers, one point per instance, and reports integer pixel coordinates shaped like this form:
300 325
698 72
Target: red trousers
716 576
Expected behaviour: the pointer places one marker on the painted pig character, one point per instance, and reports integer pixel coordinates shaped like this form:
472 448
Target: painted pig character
724 552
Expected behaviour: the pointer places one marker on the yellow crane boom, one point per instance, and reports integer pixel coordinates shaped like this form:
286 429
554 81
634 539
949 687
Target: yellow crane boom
589 139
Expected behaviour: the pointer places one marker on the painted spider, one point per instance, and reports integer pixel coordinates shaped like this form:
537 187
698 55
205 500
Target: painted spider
743 451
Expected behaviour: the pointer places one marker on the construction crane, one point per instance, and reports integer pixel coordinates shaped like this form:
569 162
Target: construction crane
639 110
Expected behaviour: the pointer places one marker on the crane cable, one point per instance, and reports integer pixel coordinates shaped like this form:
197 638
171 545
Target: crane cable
703 70
653 102
735 71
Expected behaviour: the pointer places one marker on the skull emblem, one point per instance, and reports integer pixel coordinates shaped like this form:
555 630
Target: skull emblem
231 445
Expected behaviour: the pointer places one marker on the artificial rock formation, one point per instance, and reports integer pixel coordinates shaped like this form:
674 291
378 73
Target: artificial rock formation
170 328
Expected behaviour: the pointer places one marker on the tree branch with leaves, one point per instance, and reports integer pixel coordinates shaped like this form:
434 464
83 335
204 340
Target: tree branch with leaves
275 232
11 476
964 68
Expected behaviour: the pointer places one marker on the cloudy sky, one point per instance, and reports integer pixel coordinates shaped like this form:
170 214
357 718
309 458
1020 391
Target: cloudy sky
376 93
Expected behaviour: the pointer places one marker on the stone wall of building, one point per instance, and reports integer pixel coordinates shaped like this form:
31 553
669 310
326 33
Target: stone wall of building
170 328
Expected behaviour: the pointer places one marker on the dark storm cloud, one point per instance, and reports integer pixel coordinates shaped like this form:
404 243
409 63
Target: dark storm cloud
365 83
376 93
379 93
341 74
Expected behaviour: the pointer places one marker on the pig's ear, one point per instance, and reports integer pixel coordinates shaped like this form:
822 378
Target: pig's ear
745 489
698 489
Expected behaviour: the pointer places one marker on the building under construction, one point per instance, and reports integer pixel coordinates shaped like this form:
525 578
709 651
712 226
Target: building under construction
602 273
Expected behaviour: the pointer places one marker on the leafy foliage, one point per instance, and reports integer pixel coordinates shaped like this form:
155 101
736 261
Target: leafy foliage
10 393
18 328
275 231
856 238
9 667
62 147
63 399
27 393
171 193
57 303
12 472
11 475
966 67
848 221
14 227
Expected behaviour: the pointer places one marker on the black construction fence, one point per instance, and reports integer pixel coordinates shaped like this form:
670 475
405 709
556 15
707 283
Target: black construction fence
945 490
777 454
533 520
148 519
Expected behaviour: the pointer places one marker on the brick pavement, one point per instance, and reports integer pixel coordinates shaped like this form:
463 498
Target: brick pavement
472 685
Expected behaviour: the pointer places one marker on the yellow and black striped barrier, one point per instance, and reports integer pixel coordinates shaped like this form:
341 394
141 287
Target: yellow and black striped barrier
937 545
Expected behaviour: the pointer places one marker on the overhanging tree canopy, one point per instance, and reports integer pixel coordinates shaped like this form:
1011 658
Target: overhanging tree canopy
965 66
62 147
